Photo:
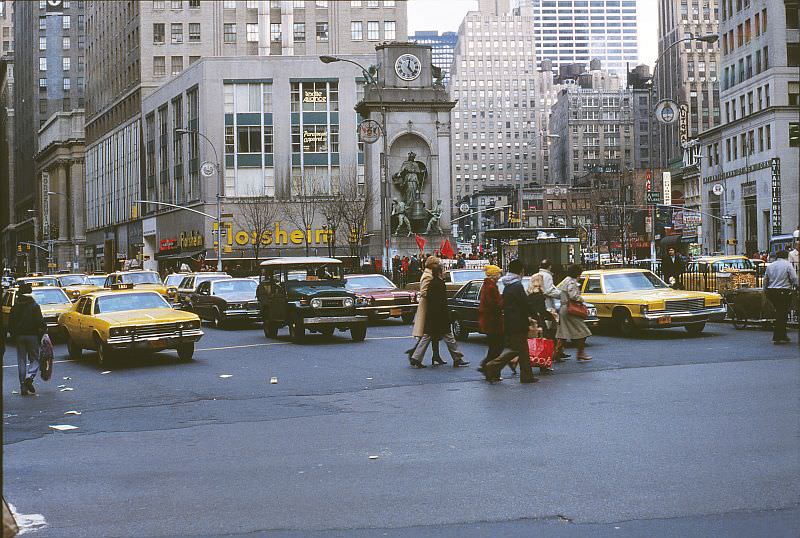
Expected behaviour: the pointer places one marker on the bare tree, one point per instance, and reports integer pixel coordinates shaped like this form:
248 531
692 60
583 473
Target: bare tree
257 213
307 197
356 201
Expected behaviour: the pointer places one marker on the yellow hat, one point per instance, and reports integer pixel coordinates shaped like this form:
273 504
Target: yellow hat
492 270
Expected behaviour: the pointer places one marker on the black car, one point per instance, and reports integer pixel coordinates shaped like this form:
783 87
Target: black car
464 308
225 300
191 282
308 293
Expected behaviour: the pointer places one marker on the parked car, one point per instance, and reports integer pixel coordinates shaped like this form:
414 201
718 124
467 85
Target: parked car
53 302
113 321
464 308
454 279
384 298
633 299
225 300
308 293
190 283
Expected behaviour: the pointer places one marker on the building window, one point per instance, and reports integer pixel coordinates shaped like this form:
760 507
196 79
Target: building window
177 33
43 83
794 135
194 32
177 65
43 43
315 96
252 4
322 31
268 139
67 83
159 66
322 3
158 5
230 140
193 59
42 64
299 32
372 3
252 32
194 4
66 63
355 3
65 22
229 4
388 3
176 4
42 23
229 32
356 30
275 32
299 4
249 139
373 30
158 33
389 30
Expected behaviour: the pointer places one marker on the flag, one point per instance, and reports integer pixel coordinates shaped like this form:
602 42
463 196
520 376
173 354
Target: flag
420 242
447 250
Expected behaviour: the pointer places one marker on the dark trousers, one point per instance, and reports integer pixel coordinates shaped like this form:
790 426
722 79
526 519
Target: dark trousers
517 347
780 299
496 345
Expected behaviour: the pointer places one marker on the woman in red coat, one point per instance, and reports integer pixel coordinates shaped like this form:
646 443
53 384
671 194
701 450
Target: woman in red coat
490 314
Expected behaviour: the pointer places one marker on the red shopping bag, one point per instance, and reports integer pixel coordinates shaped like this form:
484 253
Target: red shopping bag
541 351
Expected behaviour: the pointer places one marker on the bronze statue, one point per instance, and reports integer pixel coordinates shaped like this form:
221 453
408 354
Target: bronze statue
410 180
399 210
436 214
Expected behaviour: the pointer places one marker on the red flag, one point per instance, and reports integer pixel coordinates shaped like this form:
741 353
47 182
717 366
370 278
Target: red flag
447 250
420 242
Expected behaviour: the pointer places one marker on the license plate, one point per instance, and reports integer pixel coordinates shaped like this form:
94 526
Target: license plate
395 311
665 320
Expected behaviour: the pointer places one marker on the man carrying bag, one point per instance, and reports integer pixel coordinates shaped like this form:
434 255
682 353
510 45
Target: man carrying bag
27 327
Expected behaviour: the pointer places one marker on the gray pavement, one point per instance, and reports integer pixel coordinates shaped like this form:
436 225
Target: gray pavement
662 435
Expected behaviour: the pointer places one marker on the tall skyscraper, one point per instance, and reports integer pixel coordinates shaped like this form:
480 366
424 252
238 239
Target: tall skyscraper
577 31
688 72
495 81
442 47
7 214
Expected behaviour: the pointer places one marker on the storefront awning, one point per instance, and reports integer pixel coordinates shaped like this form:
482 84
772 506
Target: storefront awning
179 255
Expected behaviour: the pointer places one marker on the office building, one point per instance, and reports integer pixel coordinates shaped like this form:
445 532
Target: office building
688 72
7 215
495 133
577 31
443 48
750 164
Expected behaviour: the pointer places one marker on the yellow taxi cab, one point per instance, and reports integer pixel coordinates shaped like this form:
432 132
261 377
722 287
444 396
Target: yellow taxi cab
633 299
98 279
142 280
38 279
52 301
76 284
719 273
125 318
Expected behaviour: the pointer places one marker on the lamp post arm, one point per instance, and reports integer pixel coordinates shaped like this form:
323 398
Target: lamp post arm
212 217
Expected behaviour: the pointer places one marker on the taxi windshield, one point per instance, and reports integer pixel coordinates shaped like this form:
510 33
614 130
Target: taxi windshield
229 287
43 281
74 280
97 280
141 278
722 265
130 301
467 275
173 280
317 272
199 279
49 297
378 282
633 282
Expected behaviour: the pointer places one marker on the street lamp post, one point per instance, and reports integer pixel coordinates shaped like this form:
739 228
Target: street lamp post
707 38
385 219
218 218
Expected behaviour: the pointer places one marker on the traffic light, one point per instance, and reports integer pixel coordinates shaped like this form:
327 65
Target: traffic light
19 248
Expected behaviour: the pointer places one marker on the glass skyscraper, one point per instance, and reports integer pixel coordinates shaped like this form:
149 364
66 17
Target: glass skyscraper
442 48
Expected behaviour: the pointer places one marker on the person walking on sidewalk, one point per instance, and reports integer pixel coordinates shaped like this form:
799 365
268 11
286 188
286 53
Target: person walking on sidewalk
572 327
778 282
27 327
515 324
490 314
437 324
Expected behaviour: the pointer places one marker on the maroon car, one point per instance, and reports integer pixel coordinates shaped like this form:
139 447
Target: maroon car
385 299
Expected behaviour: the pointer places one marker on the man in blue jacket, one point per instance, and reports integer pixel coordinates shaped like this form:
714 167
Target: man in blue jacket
515 325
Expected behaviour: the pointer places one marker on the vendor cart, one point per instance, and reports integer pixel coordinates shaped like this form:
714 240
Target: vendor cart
749 306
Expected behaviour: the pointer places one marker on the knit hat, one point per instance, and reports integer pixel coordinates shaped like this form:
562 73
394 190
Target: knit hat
492 270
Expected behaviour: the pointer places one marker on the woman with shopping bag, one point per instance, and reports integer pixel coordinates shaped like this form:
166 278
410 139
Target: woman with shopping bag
540 343
572 314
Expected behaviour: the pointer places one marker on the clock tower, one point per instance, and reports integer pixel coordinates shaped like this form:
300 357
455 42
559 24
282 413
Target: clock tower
408 168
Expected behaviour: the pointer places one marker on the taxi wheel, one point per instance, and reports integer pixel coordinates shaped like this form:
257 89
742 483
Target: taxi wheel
358 332
695 328
459 331
408 318
185 351
105 355
270 329
624 323
297 330
73 349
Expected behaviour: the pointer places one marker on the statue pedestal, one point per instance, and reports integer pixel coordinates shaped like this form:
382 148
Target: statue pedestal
406 246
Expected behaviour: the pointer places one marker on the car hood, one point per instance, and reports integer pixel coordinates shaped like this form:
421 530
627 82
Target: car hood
52 309
664 294
380 293
320 291
147 316
161 288
237 297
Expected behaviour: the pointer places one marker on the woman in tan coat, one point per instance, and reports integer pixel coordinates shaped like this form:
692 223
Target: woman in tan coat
419 319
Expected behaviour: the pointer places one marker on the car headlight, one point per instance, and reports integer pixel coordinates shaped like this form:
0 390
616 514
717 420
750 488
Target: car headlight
362 301
120 331
172 292
592 312
644 309
348 302
316 303
195 324
75 293
233 306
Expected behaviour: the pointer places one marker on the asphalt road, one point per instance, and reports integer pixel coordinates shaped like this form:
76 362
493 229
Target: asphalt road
662 435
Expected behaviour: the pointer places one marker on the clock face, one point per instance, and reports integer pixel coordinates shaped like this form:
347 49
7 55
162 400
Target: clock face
408 67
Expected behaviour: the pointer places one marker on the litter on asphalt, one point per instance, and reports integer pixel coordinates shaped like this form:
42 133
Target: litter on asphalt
66 389
373 457
225 376
273 380
72 413
106 372
62 427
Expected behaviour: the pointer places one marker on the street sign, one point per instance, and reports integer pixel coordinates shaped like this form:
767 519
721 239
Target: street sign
464 207
226 215
666 112
666 181
208 169
653 197
52 265
718 189
369 131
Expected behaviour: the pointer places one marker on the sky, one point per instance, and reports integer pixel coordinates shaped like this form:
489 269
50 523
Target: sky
446 16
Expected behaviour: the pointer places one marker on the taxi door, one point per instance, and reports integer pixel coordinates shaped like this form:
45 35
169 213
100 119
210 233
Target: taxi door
8 302
592 292
82 322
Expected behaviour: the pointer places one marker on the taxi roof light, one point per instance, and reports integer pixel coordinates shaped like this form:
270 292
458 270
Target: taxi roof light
122 286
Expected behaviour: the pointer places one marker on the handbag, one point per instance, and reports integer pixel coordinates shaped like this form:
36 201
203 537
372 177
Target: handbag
579 310
46 358
540 351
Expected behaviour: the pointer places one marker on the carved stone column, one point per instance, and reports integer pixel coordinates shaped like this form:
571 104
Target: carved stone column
61 201
78 204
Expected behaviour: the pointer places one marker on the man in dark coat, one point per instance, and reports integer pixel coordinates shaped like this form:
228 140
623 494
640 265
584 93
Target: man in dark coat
515 324
27 326
673 265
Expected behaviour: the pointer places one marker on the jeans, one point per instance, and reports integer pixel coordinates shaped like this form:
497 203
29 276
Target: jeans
422 347
780 299
27 356
517 347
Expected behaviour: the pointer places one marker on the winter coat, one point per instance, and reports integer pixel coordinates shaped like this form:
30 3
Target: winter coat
570 327
419 319
670 268
515 306
490 309
537 308
26 318
437 317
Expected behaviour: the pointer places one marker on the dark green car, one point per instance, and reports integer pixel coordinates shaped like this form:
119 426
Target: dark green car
308 294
